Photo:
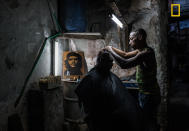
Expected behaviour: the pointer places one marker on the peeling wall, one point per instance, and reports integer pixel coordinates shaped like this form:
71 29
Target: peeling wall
151 16
23 28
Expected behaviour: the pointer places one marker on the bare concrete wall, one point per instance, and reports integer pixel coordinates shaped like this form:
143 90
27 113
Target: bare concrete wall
151 15
24 24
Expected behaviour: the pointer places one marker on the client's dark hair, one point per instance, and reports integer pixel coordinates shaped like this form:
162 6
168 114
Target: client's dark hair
104 62
102 56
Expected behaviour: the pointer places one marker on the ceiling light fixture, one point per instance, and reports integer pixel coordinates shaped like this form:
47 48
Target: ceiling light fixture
117 21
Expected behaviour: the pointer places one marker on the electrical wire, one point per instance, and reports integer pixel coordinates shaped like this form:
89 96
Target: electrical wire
39 54
33 67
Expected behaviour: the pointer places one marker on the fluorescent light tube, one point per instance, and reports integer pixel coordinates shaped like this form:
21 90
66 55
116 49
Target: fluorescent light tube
117 21
56 57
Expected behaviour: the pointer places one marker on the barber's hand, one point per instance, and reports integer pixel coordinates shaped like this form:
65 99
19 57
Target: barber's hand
109 48
137 50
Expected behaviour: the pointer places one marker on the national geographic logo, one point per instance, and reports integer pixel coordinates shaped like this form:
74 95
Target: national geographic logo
175 10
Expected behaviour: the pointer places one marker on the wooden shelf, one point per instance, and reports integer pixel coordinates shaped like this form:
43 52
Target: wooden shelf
68 80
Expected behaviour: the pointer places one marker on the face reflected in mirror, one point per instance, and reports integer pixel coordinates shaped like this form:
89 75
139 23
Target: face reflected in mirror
73 60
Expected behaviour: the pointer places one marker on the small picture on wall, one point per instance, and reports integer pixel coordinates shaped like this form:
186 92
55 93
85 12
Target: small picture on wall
73 65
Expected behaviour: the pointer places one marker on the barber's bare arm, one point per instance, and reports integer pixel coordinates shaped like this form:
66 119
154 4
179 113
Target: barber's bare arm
131 62
121 53
125 54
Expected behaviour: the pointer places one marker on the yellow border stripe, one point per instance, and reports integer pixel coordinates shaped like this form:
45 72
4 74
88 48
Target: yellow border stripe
178 5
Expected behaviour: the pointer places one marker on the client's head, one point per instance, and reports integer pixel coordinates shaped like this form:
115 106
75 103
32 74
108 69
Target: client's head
104 60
